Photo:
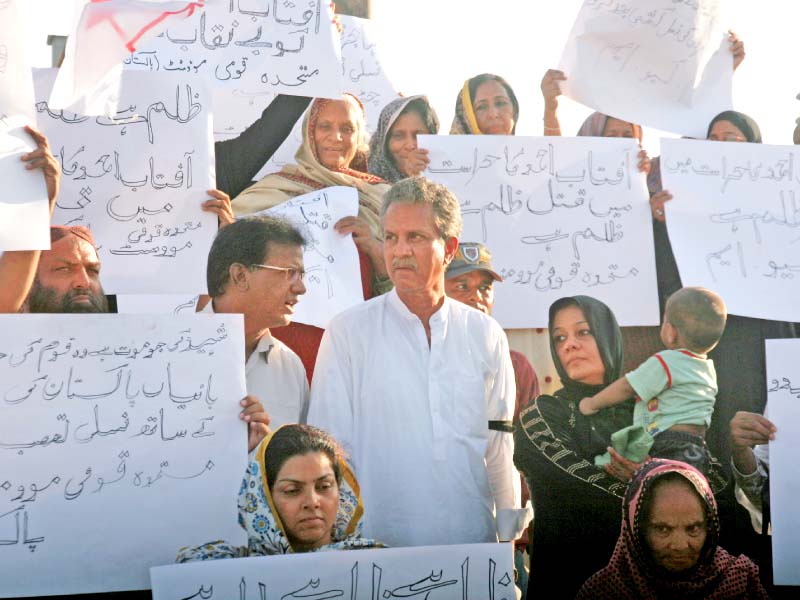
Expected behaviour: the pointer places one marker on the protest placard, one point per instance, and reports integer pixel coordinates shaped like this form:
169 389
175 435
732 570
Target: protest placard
734 223
277 47
783 397
561 216
333 274
138 179
24 210
120 442
107 31
447 572
658 63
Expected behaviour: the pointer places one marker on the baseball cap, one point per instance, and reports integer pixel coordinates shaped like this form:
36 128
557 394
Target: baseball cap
471 256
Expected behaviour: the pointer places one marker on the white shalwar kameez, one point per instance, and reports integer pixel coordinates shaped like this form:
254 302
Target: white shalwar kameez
414 419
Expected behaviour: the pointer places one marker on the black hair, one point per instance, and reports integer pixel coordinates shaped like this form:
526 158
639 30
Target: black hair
297 440
476 82
247 242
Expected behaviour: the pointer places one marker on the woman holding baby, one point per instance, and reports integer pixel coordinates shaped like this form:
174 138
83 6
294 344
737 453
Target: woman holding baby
576 501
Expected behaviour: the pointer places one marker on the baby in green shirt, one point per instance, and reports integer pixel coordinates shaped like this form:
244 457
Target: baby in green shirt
675 389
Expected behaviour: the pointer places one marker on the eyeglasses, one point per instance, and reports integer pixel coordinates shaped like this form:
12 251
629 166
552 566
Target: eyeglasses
291 273
728 137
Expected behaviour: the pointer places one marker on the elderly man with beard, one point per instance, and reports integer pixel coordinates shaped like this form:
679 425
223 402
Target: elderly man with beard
68 277
64 279
419 389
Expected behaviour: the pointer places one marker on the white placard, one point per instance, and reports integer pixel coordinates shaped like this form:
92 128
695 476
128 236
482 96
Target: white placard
658 63
442 572
160 304
89 78
235 110
363 76
120 443
24 210
16 84
333 273
734 222
783 398
561 216
138 181
278 47
363 72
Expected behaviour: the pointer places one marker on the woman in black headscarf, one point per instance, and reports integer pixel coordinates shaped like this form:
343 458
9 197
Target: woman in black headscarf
576 504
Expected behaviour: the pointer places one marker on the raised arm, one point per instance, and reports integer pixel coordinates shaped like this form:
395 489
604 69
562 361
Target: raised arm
737 49
551 90
239 160
750 433
18 268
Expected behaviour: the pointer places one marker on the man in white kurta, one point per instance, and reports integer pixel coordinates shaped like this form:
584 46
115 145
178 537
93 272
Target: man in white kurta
409 382
255 267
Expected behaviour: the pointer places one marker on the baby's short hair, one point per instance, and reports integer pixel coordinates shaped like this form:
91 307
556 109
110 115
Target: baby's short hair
699 315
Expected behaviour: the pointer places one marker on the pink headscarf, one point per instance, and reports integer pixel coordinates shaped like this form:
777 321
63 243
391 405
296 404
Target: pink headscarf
595 126
631 573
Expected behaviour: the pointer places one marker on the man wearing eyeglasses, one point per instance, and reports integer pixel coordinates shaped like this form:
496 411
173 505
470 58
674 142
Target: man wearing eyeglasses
255 268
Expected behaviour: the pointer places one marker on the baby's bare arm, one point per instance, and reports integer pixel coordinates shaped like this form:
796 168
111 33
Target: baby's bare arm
614 394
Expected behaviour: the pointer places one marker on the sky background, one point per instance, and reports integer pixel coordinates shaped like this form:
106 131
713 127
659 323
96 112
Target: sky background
432 46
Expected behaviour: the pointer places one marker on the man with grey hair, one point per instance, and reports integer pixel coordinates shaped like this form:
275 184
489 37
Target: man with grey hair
420 390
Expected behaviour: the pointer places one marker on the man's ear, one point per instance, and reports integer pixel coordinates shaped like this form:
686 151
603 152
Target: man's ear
450 249
239 277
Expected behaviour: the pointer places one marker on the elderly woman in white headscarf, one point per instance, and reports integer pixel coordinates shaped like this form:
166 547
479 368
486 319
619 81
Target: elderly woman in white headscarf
333 153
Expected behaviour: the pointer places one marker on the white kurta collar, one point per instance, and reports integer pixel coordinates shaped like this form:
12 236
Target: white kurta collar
265 344
394 301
